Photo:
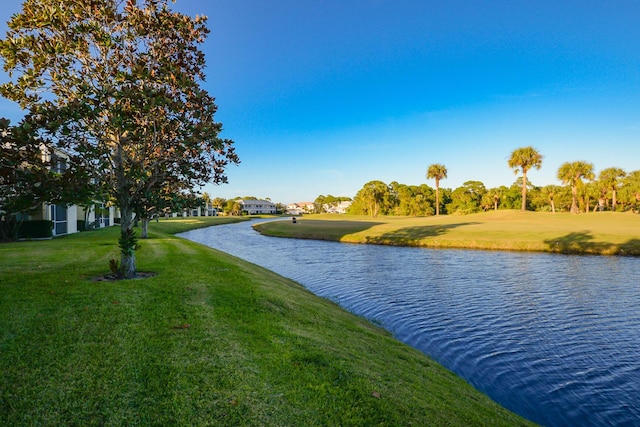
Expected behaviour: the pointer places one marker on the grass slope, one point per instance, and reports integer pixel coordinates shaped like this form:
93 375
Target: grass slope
605 233
209 340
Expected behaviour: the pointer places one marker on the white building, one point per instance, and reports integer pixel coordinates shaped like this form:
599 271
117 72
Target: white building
73 218
256 207
301 207
340 208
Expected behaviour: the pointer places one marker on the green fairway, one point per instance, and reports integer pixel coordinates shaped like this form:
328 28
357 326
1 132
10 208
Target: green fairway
605 233
208 340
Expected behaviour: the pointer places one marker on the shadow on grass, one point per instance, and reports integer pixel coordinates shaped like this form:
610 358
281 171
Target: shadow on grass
631 248
335 230
313 229
584 243
411 235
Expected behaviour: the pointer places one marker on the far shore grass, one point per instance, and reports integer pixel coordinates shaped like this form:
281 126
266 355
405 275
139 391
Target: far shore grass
208 340
601 233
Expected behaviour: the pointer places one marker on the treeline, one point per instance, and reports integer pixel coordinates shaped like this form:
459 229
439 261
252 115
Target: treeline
613 190
378 198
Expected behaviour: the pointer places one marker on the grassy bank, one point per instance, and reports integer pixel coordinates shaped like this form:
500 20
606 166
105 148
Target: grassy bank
605 233
209 340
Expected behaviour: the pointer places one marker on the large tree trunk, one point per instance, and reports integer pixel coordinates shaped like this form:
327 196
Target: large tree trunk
126 242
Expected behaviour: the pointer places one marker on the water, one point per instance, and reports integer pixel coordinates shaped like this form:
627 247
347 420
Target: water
553 338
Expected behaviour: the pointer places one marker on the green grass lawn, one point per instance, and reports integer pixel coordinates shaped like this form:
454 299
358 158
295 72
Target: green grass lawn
208 340
606 233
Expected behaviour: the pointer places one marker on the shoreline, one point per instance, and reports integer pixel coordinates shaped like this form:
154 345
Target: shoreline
609 233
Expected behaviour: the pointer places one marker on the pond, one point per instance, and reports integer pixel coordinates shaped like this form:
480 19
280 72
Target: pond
551 337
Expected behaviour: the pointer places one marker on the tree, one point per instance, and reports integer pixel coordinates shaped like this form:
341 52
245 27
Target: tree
630 191
492 197
468 198
611 178
572 173
233 207
117 83
437 171
523 159
165 199
413 200
218 203
371 198
550 194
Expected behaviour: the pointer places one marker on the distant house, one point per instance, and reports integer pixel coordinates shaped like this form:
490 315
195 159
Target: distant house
300 208
294 209
340 208
256 207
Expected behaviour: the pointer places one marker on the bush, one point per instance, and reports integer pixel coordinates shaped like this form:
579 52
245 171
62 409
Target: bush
82 225
36 229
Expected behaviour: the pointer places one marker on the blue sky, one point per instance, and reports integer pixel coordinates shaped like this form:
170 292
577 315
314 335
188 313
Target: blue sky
321 97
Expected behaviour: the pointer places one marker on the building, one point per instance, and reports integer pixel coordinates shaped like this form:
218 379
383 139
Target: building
300 208
340 208
257 207
73 218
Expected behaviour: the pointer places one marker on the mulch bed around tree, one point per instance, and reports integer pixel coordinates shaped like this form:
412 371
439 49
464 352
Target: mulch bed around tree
114 277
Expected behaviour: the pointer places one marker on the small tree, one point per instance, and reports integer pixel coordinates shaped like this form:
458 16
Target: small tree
572 173
437 171
611 178
218 203
550 193
629 193
492 197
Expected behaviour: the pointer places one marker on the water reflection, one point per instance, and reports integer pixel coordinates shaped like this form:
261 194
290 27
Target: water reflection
554 338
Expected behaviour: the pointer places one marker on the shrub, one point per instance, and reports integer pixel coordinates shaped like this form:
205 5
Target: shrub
36 229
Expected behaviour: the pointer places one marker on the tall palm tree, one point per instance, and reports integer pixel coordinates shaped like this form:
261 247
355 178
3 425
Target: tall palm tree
610 179
437 171
572 173
523 159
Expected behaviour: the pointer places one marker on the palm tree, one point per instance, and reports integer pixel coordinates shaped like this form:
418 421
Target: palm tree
610 179
572 173
550 192
524 159
437 171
